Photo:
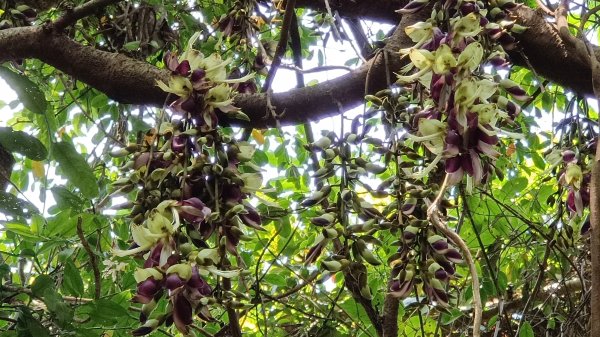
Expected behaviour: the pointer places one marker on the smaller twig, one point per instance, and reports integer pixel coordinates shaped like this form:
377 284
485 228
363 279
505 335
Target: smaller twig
282 44
545 8
78 13
315 69
22 290
434 217
93 258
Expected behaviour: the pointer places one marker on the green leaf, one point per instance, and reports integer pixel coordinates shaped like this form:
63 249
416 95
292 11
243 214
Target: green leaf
107 311
23 143
29 93
54 302
514 186
526 330
28 326
20 229
451 316
72 281
276 279
538 161
65 198
40 284
131 46
11 205
75 168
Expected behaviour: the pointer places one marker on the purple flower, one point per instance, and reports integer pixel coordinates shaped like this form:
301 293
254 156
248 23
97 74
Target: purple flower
182 312
194 211
153 259
174 281
198 285
146 290
440 246
251 218
401 289
453 256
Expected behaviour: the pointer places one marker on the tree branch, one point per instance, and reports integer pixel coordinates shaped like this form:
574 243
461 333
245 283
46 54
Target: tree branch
93 259
376 10
282 44
130 81
78 13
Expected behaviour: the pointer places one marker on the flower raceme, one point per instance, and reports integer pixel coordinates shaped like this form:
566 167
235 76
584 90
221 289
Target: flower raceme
192 182
201 85
465 111
461 115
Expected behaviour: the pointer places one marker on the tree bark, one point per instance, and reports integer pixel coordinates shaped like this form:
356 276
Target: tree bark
131 81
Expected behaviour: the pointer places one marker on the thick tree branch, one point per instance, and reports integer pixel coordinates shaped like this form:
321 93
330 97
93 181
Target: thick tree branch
376 10
564 61
131 81
78 13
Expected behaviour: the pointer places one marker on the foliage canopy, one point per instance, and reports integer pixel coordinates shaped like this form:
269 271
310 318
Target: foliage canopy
153 182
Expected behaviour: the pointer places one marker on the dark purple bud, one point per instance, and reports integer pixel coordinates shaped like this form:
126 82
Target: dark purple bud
156 162
440 296
447 267
495 33
232 194
453 164
408 236
179 142
313 253
498 61
585 228
193 210
468 7
182 313
252 218
142 331
453 256
153 259
409 207
440 246
173 282
512 109
569 156
437 85
413 7
146 290
508 41
196 282
435 41
248 87
189 105
183 68
467 164
441 274
401 289
198 75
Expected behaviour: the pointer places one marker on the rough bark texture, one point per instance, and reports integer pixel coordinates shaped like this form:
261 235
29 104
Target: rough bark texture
552 57
130 81
376 10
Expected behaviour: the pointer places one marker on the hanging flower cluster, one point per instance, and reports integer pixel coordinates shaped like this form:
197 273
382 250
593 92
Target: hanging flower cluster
191 205
577 183
458 115
424 256
463 110
350 218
